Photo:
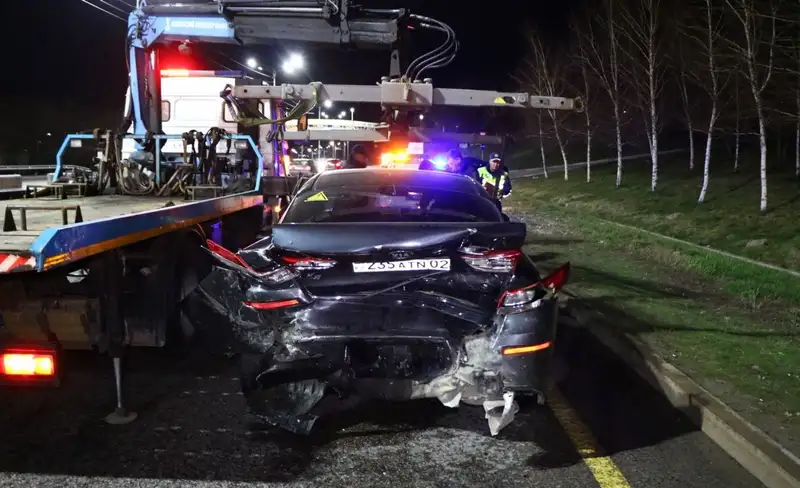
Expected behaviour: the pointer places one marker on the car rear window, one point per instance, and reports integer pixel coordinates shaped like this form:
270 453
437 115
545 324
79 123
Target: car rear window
390 203
382 177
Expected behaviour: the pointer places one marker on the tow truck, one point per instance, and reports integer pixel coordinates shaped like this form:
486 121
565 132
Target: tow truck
105 264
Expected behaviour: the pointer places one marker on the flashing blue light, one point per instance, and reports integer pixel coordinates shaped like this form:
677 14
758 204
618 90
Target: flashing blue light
440 162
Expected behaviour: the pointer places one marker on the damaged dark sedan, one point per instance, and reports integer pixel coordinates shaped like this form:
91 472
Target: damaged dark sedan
390 284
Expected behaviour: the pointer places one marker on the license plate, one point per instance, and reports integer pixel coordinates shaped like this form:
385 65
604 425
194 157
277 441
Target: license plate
441 264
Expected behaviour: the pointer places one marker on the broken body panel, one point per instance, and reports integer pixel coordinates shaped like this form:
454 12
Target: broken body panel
305 304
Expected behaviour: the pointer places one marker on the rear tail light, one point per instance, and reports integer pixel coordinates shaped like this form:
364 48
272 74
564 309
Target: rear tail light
531 294
337 165
279 274
490 261
515 350
28 364
272 305
306 263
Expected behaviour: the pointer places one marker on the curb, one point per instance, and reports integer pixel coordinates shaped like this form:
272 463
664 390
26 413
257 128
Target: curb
764 458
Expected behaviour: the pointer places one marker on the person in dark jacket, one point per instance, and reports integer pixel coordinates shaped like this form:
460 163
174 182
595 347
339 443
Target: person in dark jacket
427 164
358 158
496 179
463 166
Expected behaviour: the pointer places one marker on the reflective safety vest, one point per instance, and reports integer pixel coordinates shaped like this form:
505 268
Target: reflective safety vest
498 182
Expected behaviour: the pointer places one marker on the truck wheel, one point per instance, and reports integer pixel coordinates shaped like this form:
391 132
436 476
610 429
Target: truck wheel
192 267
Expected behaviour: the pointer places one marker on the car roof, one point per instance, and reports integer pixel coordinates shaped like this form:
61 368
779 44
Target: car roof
345 178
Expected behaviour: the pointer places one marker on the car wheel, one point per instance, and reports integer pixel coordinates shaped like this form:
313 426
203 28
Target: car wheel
284 406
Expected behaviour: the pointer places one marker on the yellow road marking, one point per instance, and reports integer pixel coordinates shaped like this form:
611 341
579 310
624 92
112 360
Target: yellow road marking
607 474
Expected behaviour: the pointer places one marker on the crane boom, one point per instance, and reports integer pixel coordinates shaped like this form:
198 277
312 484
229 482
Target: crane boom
332 22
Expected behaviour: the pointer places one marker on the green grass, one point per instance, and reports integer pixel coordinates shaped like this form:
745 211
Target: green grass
728 220
733 326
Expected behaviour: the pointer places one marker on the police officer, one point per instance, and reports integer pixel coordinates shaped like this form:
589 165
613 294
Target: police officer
460 165
427 165
358 158
496 179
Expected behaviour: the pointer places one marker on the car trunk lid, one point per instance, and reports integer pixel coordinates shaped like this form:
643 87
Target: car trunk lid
465 260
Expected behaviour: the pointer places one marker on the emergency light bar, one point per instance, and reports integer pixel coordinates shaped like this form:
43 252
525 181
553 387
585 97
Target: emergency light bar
199 73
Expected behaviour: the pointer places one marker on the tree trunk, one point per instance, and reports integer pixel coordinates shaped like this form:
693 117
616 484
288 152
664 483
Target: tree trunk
707 157
588 154
797 132
737 135
560 146
619 143
541 146
653 126
797 148
691 145
762 141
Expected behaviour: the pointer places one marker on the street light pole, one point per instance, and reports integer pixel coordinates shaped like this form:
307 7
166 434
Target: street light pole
352 115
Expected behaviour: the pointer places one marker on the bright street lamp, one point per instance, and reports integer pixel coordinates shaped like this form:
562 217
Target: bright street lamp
297 60
327 104
252 63
342 114
421 117
293 64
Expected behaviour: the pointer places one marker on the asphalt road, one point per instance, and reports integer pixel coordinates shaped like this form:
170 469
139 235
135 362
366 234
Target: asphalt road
190 432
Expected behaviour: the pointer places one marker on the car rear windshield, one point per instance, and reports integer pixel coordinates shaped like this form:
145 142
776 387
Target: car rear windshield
390 204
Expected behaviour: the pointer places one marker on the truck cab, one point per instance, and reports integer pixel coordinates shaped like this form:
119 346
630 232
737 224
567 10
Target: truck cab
190 100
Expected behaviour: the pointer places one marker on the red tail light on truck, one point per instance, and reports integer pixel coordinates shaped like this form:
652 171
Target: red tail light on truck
29 365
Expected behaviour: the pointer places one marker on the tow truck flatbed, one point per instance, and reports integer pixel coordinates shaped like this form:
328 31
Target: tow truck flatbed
108 222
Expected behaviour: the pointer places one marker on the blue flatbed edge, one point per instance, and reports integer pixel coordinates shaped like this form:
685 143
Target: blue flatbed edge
60 245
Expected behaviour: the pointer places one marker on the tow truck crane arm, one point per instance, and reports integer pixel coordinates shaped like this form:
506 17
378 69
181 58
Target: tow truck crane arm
326 22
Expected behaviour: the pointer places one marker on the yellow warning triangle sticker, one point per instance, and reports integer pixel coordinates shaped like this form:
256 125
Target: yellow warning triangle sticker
317 197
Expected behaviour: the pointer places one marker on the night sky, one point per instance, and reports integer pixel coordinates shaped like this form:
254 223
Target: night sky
68 58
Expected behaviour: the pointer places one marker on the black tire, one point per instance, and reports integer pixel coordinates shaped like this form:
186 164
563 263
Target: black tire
193 265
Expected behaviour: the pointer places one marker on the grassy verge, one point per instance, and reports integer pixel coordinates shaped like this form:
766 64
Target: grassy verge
733 326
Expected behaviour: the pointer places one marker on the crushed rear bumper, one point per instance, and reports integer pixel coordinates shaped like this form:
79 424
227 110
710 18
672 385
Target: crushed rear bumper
391 346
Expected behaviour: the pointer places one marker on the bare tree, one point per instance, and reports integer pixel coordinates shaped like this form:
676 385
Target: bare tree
541 143
796 52
602 60
707 38
759 30
586 91
683 86
549 78
642 31
738 135
534 79
790 47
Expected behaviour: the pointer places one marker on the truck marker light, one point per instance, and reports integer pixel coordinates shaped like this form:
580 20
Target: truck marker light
28 364
514 350
272 305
